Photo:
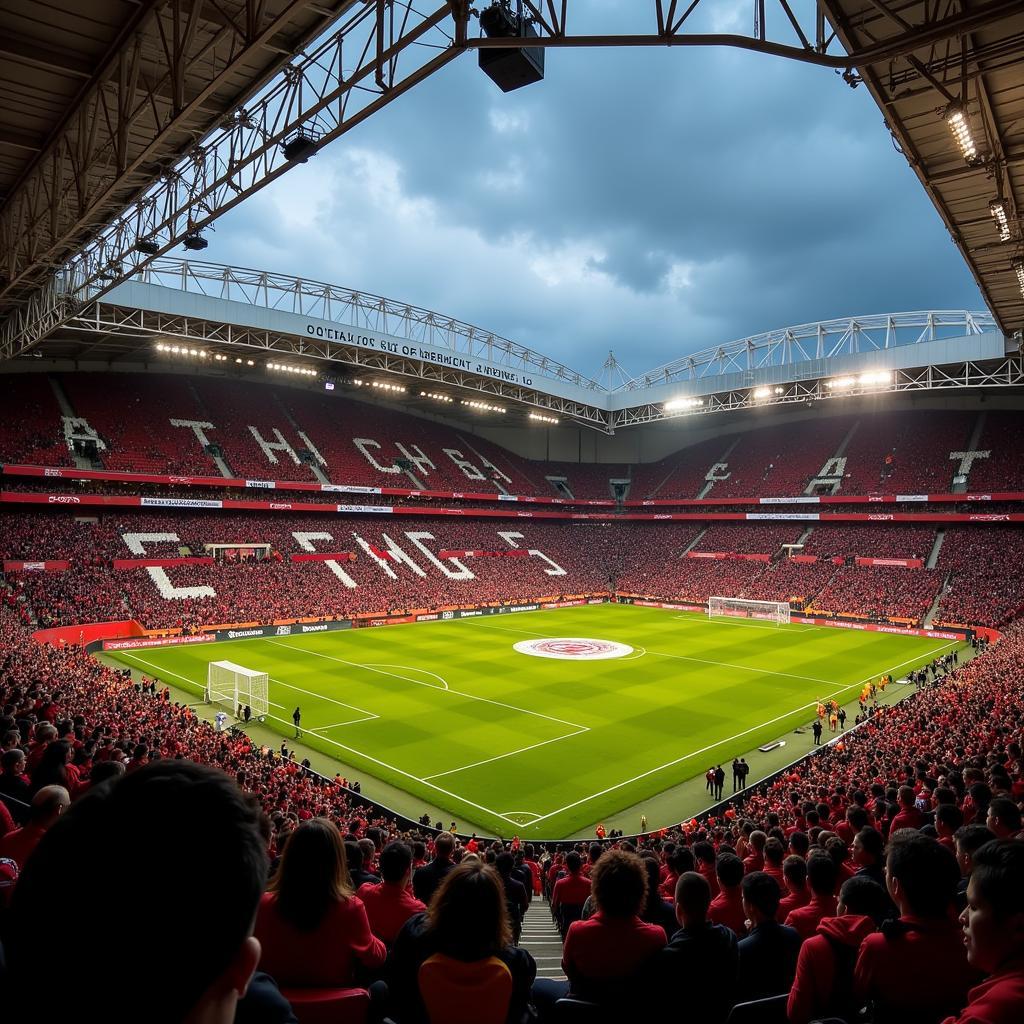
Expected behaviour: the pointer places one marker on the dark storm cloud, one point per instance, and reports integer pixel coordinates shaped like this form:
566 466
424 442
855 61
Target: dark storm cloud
649 201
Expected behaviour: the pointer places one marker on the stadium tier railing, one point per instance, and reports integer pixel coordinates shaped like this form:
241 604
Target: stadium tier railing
17 470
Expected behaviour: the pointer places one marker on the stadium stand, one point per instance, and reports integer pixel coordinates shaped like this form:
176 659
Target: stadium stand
945 745
905 453
894 540
985 584
878 591
30 422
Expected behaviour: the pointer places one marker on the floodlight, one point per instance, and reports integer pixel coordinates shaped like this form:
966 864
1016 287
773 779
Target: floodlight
956 118
997 207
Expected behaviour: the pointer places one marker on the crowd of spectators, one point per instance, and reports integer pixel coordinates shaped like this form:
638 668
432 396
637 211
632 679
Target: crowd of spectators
984 582
646 558
833 887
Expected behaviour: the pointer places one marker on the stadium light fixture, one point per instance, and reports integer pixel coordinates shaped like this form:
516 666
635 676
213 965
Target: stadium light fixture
956 118
194 242
1018 269
147 246
760 394
682 404
383 385
875 377
436 396
997 207
181 350
483 406
840 383
300 371
541 418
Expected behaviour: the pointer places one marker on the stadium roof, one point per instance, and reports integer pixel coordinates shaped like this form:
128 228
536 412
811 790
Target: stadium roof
126 129
99 99
177 314
981 70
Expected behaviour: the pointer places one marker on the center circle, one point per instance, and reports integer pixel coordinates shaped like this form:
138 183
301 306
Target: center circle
573 648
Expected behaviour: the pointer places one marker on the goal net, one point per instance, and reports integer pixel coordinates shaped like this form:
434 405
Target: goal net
236 686
773 611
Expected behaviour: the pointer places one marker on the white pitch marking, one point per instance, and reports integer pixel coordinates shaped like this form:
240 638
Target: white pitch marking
360 753
684 657
412 668
460 693
340 703
521 814
729 739
338 725
511 753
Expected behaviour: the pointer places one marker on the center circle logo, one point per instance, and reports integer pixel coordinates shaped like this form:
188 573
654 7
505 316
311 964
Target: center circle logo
573 648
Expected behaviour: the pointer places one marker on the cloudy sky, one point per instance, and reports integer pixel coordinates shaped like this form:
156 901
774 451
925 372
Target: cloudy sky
650 202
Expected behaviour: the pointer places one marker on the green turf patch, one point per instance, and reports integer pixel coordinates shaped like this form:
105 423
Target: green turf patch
450 712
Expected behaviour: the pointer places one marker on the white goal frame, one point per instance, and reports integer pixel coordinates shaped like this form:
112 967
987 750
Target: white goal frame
236 686
737 607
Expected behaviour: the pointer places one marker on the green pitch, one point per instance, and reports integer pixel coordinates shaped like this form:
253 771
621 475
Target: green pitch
510 743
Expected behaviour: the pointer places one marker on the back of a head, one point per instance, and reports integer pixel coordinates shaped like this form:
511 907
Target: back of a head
48 804
729 869
353 855
682 860
619 883
504 863
762 892
444 844
865 897
926 871
774 852
312 874
468 916
822 873
794 869
96 864
573 862
693 896
395 860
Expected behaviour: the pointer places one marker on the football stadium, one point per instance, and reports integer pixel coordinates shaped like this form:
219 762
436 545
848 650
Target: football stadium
361 664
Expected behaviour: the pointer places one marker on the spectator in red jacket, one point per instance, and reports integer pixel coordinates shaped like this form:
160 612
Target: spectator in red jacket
924 943
389 904
994 934
727 907
573 888
47 807
908 816
754 861
794 872
603 954
823 986
312 927
822 874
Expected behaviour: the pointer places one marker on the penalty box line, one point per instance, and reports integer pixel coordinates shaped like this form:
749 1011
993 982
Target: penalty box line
745 732
352 750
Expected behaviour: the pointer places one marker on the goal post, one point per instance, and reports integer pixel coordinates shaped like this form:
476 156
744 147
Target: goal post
735 607
236 686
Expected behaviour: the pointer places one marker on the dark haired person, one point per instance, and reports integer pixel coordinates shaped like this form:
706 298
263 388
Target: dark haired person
698 967
993 925
573 888
794 873
467 922
822 875
96 864
768 953
924 943
727 907
1003 818
603 954
313 928
823 986
389 904
426 879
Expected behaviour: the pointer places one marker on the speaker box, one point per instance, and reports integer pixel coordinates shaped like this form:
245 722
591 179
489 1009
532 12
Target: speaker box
510 68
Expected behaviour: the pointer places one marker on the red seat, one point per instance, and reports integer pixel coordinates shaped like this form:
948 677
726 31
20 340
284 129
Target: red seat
456 992
329 1005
